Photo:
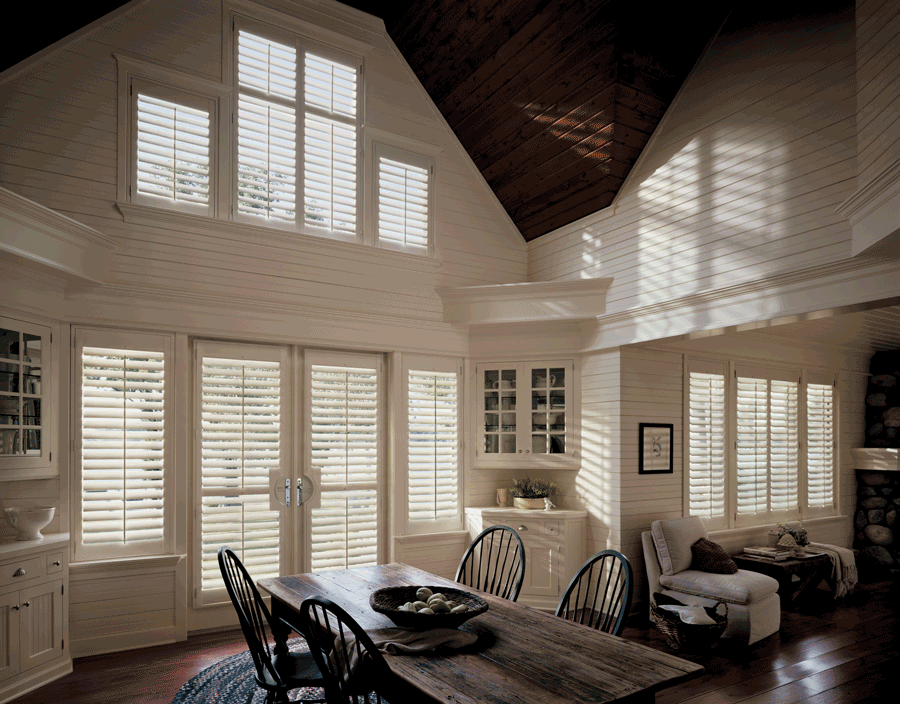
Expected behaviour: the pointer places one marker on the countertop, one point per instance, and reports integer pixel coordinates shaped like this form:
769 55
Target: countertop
16 548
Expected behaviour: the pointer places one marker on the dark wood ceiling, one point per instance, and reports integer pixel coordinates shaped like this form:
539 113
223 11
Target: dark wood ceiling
553 99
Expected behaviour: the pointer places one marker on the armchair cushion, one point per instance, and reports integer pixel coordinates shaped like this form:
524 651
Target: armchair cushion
742 587
711 557
673 539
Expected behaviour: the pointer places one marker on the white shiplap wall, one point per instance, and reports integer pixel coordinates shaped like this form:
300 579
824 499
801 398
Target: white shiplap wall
741 179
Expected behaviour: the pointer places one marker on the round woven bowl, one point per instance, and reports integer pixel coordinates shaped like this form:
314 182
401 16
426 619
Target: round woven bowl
388 601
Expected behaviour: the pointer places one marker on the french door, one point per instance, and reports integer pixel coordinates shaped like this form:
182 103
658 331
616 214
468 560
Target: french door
288 457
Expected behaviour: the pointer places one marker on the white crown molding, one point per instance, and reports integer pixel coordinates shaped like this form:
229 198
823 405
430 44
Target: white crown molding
288 240
882 459
872 211
581 299
867 196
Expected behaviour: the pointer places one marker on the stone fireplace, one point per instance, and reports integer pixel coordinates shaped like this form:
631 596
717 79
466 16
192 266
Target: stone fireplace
877 505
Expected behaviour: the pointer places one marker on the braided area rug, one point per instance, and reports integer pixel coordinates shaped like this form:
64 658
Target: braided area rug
233 680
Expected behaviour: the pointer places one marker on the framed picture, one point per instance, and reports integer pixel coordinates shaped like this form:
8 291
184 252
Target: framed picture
656 448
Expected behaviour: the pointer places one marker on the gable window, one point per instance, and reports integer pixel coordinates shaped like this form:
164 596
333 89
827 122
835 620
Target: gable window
297 131
123 482
752 460
403 198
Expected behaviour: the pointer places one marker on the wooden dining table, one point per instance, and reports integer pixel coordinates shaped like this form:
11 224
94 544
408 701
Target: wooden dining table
522 655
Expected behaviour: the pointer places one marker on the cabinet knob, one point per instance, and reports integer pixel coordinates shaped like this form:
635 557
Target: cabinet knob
520 450
16 607
19 573
523 528
27 603
56 562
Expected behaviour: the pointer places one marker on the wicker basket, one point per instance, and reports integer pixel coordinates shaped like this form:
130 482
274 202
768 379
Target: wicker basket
388 600
688 636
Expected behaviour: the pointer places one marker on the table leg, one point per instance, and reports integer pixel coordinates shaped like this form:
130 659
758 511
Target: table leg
284 621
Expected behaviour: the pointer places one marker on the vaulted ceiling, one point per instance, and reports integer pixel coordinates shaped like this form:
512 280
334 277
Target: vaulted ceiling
554 100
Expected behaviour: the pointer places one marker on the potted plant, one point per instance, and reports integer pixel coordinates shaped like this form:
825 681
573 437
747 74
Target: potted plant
530 493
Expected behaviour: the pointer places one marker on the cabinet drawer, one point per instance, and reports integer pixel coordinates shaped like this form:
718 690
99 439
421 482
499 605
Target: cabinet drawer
54 562
32 567
527 528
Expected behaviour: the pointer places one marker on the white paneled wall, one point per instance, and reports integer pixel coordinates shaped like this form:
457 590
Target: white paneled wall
740 181
877 68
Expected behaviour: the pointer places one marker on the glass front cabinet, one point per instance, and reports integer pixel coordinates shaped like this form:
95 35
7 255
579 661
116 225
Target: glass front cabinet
527 413
24 387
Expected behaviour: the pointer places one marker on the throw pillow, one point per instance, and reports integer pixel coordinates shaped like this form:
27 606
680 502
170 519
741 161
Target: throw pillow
711 557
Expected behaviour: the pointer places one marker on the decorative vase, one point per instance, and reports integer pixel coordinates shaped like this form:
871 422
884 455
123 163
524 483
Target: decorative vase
533 504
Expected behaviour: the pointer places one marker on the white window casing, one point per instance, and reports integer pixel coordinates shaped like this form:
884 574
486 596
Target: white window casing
344 418
430 437
123 461
707 469
404 200
240 403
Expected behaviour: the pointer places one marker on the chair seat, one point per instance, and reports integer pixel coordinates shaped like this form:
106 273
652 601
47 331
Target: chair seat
296 669
742 587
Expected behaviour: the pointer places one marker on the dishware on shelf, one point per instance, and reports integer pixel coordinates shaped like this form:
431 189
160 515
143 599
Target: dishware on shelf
388 601
29 520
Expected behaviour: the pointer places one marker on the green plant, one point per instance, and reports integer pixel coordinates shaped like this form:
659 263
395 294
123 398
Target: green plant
798 533
532 488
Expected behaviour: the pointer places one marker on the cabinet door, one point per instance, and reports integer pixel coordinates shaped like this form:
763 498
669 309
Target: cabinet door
541 568
41 627
548 408
498 415
9 635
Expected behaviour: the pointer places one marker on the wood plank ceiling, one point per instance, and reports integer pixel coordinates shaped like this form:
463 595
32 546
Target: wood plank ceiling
553 99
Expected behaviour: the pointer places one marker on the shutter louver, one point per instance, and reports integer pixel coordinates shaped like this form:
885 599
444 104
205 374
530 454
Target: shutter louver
752 445
403 205
820 445
784 446
173 156
433 445
706 445
330 86
122 451
344 446
240 443
267 128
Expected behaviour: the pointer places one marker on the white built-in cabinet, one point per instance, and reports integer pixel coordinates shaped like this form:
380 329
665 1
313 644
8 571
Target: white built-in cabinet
527 413
34 618
554 544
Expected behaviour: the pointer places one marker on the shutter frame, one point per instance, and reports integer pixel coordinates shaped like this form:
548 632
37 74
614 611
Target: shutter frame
404 199
707 477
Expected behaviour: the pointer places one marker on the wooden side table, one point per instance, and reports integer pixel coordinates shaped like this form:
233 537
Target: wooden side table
809 570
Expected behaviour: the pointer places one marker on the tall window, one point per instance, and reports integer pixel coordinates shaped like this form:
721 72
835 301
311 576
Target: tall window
403 199
751 459
123 472
433 491
344 411
297 133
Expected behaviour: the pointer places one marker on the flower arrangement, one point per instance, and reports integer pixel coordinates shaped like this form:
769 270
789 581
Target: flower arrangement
532 488
798 533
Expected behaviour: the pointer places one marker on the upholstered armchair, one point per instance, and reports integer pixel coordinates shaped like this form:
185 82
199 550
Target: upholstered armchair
754 609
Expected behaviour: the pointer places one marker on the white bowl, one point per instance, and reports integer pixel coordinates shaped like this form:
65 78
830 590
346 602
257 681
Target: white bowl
29 520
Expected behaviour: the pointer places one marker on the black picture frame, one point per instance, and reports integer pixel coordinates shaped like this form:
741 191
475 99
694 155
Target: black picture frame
654 455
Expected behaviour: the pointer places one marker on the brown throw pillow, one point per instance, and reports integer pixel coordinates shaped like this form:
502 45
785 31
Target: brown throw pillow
711 557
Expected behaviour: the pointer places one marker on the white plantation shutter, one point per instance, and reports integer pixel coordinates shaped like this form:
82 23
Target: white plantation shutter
767 444
820 443
239 443
121 480
403 182
433 447
172 157
330 152
706 442
344 411
266 128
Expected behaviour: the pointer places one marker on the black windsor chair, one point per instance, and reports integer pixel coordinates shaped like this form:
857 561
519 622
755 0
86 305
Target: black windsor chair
277 669
494 562
599 595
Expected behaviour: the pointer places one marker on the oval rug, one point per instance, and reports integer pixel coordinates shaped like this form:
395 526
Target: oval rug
234 680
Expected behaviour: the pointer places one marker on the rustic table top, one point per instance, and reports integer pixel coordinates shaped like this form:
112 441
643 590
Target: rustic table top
522 654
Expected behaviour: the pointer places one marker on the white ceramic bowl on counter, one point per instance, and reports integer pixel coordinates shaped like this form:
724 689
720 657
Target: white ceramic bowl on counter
29 520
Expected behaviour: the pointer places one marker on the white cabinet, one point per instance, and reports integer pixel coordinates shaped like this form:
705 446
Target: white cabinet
33 614
527 413
554 547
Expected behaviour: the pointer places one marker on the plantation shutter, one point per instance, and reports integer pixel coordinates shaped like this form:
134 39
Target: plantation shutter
123 460
706 442
433 447
240 399
266 128
820 424
344 412
403 199
330 144
767 443
172 157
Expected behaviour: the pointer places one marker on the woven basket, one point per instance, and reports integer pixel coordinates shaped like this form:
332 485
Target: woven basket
688 636
388 600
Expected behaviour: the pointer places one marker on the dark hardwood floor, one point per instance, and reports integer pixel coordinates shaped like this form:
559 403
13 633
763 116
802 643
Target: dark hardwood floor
824 654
